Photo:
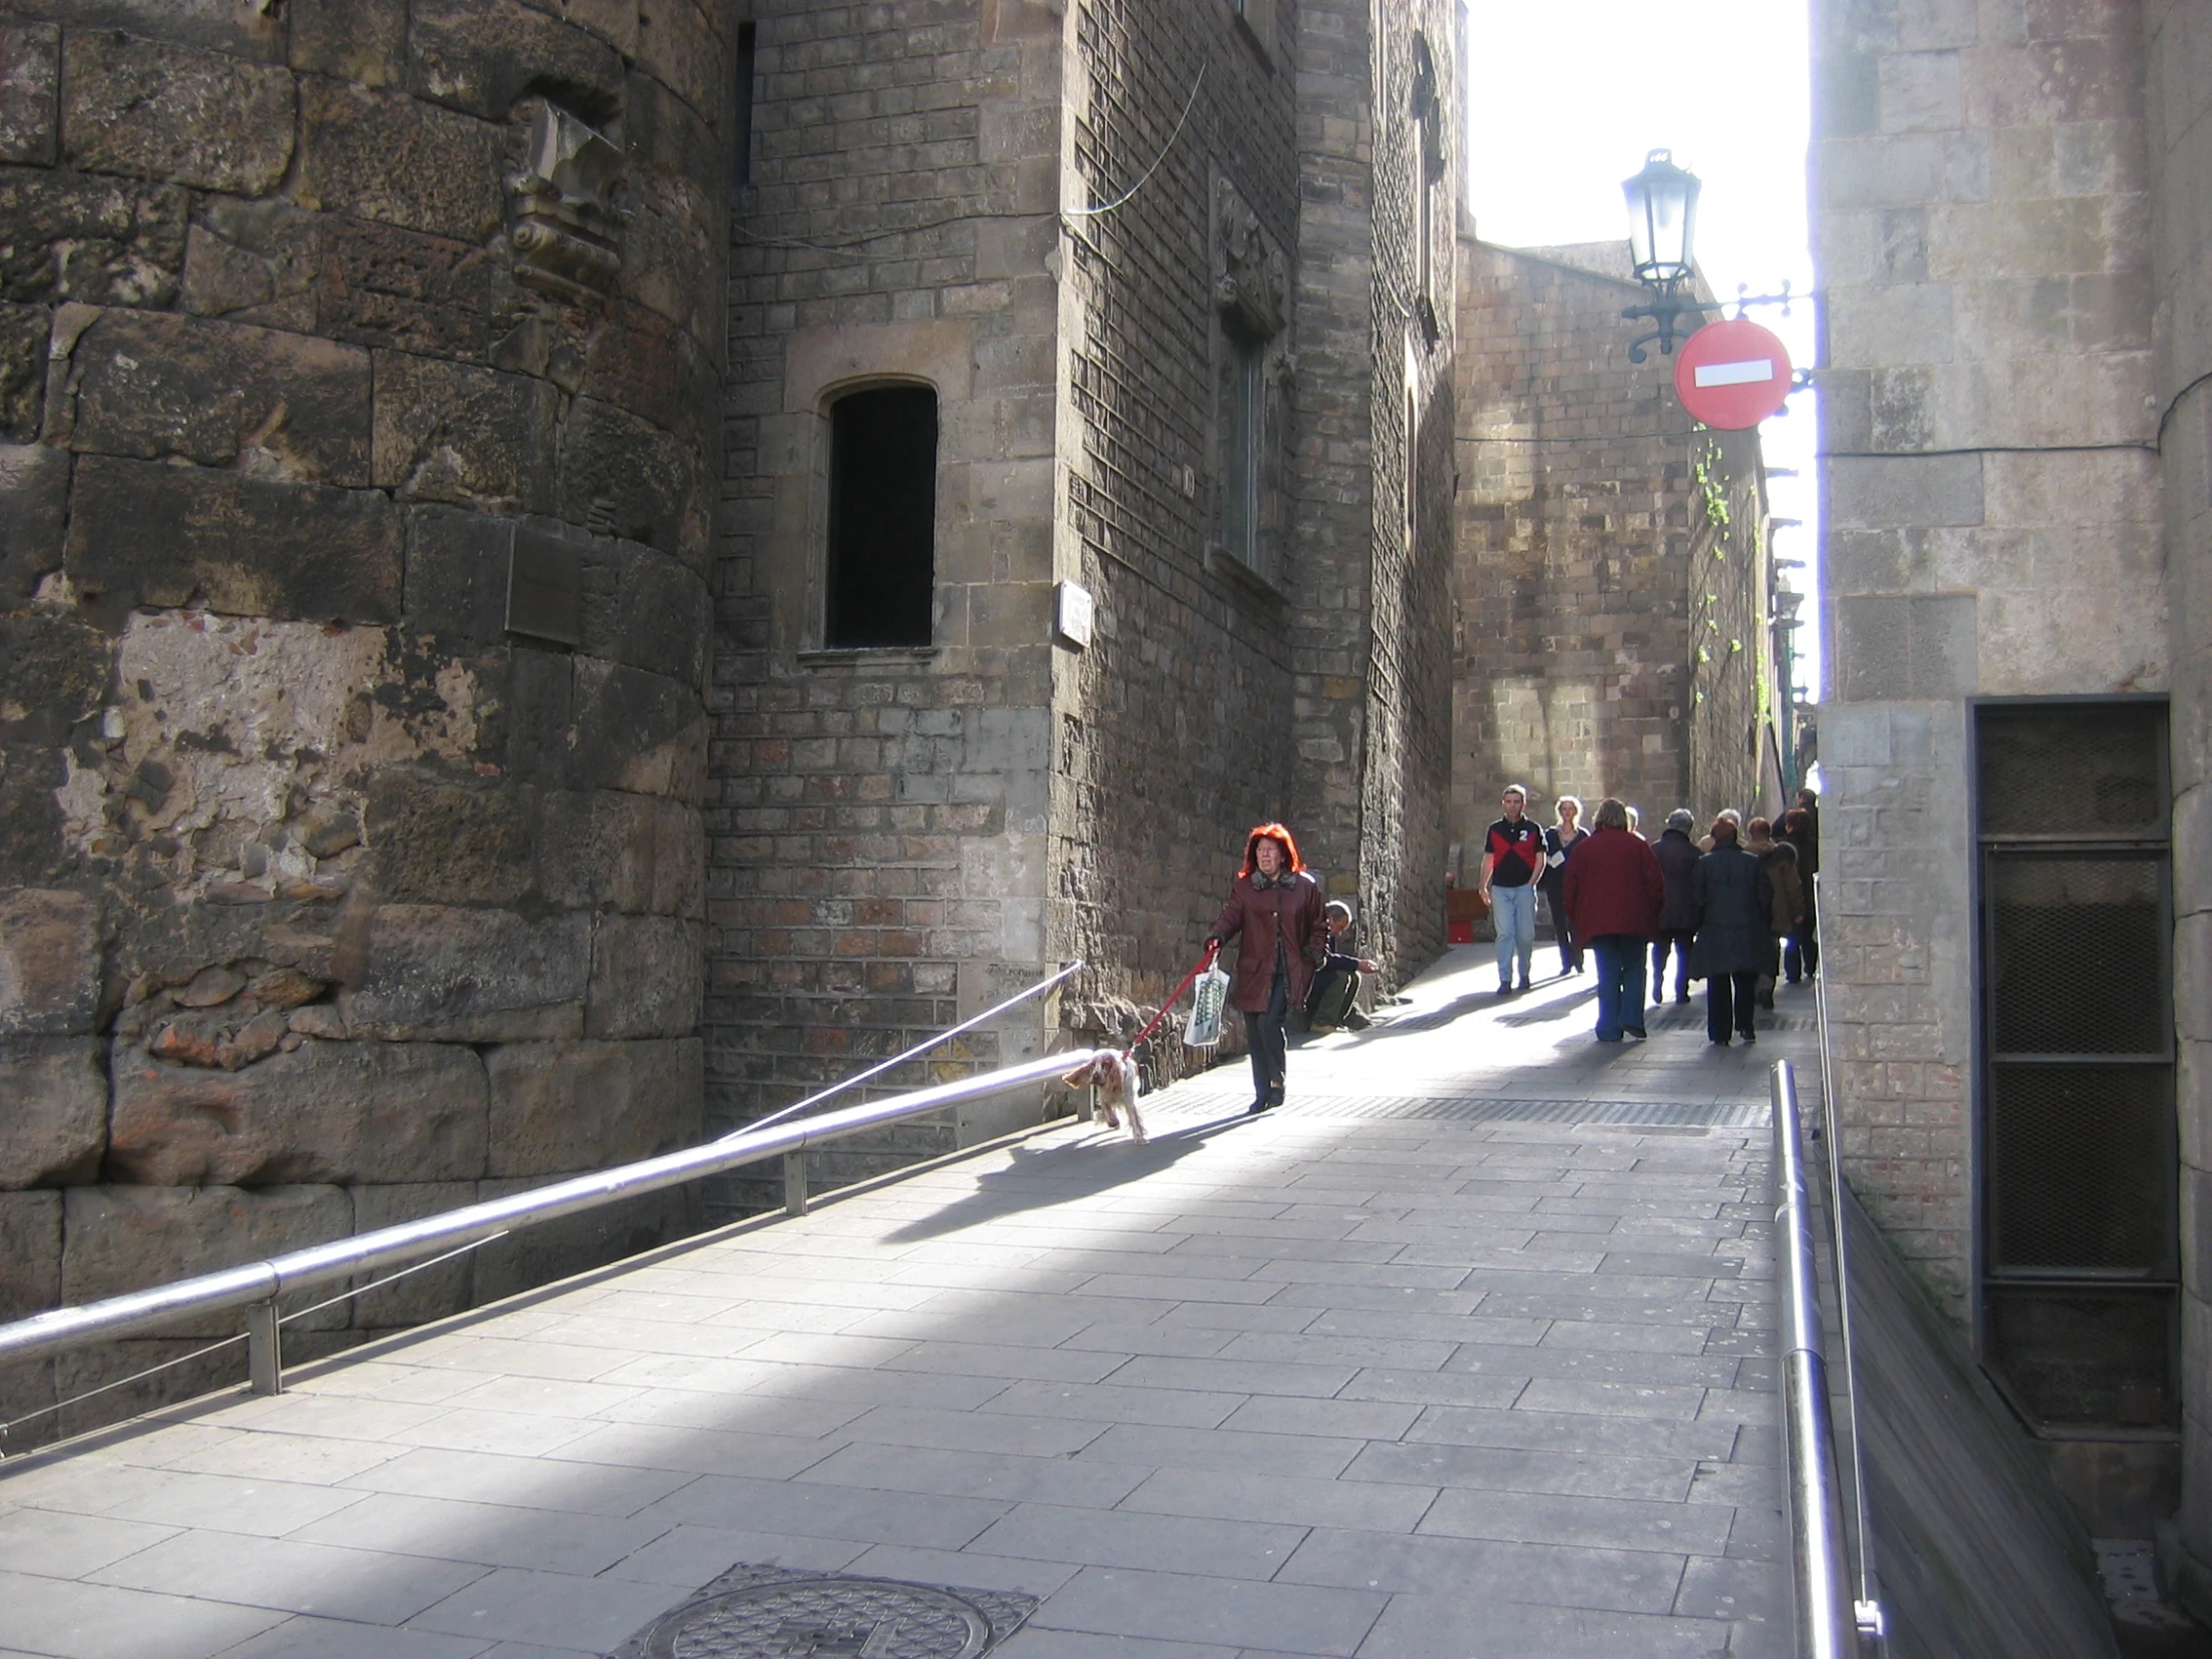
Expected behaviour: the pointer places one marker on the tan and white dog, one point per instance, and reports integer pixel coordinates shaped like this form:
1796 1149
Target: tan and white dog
1115 1076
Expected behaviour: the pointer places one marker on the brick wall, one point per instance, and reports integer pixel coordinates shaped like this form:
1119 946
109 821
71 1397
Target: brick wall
326 901
1612 575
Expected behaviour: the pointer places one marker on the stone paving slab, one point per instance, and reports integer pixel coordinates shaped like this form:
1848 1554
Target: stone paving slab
1445 1359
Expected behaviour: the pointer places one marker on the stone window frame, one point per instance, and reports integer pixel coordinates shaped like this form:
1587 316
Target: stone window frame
1257 23
1252 370
1426 115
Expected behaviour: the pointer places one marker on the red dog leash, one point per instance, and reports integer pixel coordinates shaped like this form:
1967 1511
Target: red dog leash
1204 963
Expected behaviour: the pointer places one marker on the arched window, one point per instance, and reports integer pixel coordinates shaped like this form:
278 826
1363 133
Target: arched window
881 568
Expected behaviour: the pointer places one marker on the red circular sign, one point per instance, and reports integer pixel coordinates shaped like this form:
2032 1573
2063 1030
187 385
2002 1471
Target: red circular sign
1732 375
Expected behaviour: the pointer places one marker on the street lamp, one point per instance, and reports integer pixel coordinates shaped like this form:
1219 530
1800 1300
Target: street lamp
1662 231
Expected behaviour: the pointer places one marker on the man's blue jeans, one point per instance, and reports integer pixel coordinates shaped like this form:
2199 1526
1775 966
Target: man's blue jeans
1620 985
1513 913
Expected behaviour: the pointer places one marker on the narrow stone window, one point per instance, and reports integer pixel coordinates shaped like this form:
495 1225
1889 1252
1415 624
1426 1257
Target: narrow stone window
881 572
1428 172
1243 420
741 114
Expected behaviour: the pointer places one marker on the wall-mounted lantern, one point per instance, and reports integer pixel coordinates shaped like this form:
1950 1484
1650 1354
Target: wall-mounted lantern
1662 240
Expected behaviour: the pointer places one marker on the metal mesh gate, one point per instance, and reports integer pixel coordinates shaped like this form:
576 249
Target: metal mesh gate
2078 1255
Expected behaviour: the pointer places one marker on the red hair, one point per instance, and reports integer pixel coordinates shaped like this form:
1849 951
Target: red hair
1269 833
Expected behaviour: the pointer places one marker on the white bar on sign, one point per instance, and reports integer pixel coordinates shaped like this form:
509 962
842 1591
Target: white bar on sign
1736 374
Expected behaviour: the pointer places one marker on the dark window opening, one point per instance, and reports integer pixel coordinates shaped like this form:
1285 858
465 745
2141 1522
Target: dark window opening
741 114
2079 1240
882 576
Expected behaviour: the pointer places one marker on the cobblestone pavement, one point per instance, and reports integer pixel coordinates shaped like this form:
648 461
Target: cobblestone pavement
1464 1353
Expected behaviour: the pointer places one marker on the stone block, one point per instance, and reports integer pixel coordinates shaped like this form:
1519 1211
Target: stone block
119 1239
33 505
49 962
1902 648
342 1112
448 431
244 28
677 231
363 41
148 109
24 331
1876 493
551 1250
468 976
647 975
380 284
1883 327
638 360
53 672
568 1108
433 1294
451 840
621 476
388 157
30 68
540 716
31 848
456 586
53 1110
1921 92
608 848
30 1253
482 56
663 617
679 47
274 404
254 261
141 533
106 241
636 731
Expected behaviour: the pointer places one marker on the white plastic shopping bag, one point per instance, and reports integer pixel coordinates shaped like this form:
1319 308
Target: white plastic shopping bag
1209 996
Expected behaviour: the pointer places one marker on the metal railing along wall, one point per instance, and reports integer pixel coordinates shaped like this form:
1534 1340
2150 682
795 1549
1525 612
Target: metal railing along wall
256 1286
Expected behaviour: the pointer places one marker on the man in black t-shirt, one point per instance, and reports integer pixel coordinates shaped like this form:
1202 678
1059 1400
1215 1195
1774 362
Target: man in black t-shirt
1512 858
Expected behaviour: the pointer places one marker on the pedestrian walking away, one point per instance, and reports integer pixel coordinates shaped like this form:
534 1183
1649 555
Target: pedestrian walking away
1800 952
1613 889
1560 841
1734 901
1779 860
1678 857
1512 855
1274 913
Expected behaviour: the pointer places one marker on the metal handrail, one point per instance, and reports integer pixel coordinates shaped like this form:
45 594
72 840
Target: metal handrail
256 1286
1829 1622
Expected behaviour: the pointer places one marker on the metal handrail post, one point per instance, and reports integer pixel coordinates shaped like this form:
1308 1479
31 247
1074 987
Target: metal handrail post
63 1329
1826 1625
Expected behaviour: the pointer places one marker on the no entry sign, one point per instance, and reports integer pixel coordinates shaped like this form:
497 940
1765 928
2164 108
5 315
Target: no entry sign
1732 375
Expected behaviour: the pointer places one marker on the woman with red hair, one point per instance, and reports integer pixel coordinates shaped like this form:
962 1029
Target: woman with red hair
1275 915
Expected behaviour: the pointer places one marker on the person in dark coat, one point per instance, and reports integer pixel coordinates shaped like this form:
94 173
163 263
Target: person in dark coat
1734 903
1780 860
1800 952
1614 891
1274 914
1678 857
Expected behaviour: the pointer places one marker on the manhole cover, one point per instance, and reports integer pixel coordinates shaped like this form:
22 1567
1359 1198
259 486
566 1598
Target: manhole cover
755 1612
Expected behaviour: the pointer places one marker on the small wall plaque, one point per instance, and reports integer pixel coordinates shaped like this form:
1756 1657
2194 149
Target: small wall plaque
545 588
1071 614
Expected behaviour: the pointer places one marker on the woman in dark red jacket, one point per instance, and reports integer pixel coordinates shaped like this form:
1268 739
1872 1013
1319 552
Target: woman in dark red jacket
1274 914
1614 890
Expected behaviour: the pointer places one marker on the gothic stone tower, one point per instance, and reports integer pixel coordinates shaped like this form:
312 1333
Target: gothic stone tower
359 378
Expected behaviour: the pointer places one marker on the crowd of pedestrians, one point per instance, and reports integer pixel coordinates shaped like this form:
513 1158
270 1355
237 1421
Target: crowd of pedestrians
1733 909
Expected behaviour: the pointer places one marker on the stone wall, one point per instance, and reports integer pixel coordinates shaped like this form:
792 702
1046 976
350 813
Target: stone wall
1990 420
899 838
1612 579
878 818
327 896
2178 49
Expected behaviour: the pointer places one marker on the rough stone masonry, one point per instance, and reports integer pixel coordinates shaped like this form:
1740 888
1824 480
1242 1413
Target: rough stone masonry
360 367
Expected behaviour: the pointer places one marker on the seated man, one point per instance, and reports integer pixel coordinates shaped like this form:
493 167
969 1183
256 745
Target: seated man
1333 999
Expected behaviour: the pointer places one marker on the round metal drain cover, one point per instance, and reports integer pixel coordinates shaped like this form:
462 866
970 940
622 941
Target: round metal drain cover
823 1618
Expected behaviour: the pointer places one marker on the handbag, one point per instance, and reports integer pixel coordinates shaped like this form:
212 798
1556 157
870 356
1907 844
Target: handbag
1209 996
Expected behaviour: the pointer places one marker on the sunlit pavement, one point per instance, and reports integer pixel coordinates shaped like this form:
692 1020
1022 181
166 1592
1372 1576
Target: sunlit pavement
1462 1353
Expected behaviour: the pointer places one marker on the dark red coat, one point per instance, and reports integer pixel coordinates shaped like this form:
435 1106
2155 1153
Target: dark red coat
1290 909
1614 885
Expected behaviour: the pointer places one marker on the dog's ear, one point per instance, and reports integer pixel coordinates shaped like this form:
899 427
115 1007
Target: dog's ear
1080 1077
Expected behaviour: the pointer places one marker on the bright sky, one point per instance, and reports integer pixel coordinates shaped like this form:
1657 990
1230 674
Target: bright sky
1566 97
